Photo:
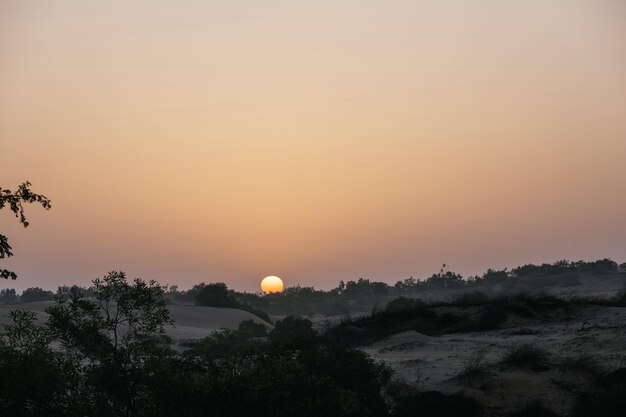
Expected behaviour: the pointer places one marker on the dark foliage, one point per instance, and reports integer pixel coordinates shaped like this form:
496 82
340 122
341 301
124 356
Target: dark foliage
398 316
36 380
15 201
471 298
607 398
111 358
8 295
437 404
216 295
248 328
294 372
601 266
534 409
115 335
403 304
36 294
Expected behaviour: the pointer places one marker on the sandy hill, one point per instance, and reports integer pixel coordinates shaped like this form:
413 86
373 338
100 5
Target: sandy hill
578 345
190 322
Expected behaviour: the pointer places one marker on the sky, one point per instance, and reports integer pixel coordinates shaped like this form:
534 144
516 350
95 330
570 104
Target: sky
206 141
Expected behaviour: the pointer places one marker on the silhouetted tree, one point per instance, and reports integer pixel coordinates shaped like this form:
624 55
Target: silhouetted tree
116 335
604 266
216 295
36 294
8 295
15 201
493 277
293 333
445 279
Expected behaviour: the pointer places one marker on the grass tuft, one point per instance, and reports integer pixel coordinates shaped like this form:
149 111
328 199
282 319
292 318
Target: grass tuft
526 357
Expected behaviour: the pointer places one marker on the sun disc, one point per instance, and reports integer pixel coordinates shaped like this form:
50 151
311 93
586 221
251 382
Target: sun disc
272 284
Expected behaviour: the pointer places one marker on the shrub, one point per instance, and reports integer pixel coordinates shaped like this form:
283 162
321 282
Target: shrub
492 317
472 298
526 357
620 297
293 333
248 328
404 304
474 365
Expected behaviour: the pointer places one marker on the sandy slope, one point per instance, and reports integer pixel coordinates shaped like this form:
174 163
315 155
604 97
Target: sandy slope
190 322
433 363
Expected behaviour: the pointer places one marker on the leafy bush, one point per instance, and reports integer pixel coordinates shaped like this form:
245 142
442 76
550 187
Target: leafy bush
249 328
293 333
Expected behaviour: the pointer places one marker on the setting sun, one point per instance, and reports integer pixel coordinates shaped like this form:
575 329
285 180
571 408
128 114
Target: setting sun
272 284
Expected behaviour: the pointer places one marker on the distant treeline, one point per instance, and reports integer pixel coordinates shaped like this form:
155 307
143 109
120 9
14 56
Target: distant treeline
363 294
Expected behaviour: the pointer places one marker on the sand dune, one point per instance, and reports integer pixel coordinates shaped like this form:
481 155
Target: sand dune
434 363
190 322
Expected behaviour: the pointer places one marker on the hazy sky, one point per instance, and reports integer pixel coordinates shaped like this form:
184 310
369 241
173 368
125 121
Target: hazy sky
314 140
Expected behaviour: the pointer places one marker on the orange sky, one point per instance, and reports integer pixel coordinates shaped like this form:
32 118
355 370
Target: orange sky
317 141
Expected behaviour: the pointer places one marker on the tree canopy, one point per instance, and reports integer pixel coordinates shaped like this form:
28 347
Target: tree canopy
15 200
